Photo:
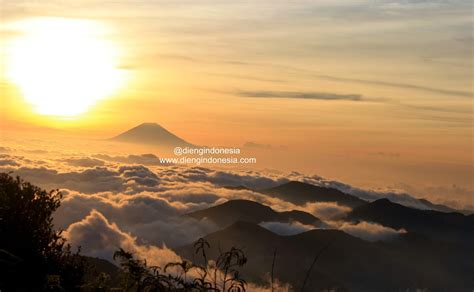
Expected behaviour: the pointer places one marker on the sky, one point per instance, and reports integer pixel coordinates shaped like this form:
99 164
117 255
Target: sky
378 94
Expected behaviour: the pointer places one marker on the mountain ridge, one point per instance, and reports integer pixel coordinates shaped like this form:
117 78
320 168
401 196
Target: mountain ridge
347 262
452 226
249 211
301 193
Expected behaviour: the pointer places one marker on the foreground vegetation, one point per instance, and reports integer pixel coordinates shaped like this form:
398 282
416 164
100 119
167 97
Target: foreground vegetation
31 249
33 256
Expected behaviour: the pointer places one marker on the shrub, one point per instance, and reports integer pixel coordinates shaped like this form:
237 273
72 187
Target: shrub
33 256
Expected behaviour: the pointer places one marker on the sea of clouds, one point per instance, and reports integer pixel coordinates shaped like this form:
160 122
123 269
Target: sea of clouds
133 202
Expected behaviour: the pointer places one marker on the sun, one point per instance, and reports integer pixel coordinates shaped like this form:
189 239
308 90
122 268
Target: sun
63 66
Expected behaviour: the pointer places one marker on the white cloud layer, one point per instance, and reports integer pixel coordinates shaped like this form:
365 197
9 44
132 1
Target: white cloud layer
130 201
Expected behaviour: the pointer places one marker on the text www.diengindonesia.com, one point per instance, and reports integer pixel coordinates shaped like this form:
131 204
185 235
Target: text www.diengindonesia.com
206 156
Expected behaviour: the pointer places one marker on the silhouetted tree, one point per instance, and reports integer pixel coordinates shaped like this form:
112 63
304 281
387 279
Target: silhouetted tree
33 256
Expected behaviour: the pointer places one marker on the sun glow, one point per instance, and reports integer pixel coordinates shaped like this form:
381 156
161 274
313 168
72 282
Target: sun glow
63 66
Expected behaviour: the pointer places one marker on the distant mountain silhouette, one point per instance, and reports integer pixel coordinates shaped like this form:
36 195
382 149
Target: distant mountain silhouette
302 198
249 211
152 134
300 193
348 264
438 207
439 225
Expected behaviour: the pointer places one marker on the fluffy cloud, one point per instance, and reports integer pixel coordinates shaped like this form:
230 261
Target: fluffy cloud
370 231
84 162
128 178
90 180
249 179
149 202
327 210
156 216
93 175
143 205
152 219
13 161
100 238
145 159
139 178
10 162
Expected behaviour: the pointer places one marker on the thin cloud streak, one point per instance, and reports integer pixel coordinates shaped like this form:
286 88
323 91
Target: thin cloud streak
417 87
300 95
401 85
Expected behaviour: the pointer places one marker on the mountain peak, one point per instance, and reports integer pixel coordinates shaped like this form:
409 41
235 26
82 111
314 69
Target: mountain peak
383 201
150 124
151 134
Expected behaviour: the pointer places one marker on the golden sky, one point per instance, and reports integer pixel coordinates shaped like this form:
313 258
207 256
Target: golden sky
376 93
